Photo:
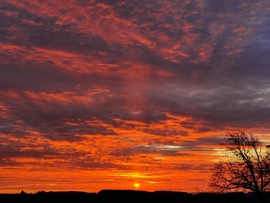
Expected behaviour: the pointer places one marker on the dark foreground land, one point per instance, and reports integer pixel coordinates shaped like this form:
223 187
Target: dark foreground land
127 196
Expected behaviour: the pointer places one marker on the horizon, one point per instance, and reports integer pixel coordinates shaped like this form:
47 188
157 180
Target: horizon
125 190
133 95
135 190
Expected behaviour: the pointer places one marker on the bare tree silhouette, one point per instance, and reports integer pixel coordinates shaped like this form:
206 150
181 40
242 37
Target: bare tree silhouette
247 167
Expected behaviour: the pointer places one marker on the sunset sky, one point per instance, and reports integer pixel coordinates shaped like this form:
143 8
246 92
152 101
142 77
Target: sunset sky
127 94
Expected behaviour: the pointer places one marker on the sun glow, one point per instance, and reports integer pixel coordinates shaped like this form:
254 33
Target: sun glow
136 185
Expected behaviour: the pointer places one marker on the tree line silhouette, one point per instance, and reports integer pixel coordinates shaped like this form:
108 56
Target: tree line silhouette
130 196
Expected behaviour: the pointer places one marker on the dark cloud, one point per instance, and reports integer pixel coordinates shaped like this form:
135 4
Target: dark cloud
193 167
35 77
167 132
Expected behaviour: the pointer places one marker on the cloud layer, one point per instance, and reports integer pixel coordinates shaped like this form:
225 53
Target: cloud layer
124 91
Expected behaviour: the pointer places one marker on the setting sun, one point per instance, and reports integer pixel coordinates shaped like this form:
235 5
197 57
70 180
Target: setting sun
137 185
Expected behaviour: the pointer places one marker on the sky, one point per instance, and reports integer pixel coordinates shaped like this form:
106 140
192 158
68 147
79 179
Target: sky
127 94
